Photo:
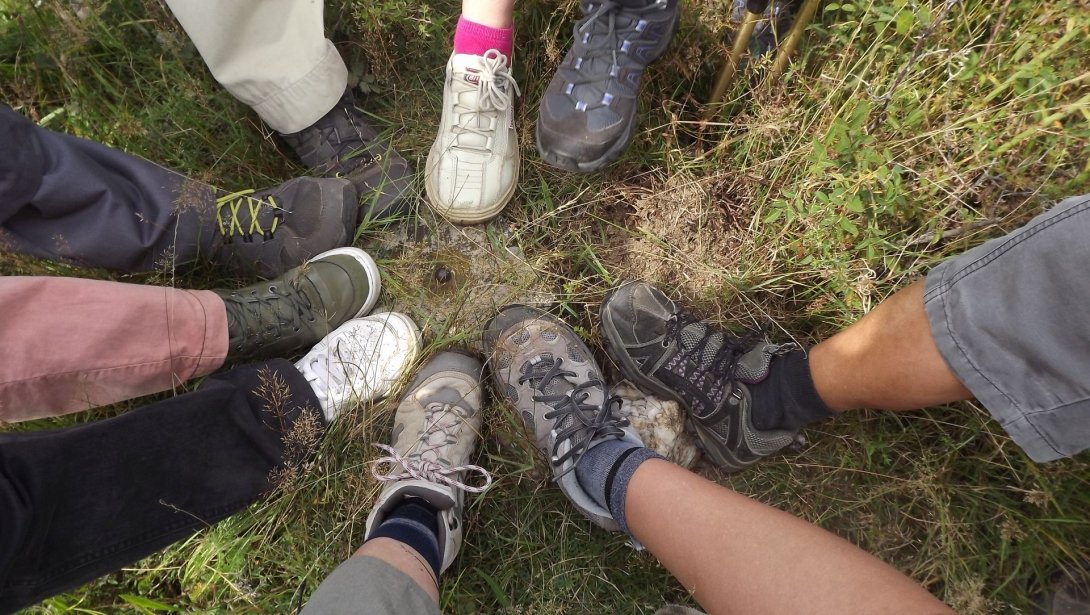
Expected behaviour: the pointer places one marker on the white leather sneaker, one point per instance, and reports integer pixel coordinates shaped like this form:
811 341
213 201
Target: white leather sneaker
360 361
435 433
473 166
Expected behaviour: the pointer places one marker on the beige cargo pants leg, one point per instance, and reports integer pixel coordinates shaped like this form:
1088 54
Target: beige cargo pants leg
270 54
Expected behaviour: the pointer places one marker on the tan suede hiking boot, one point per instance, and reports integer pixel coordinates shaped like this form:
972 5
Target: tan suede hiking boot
435 433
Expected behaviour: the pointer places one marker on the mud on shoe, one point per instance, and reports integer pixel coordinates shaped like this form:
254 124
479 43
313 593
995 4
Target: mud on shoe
436 427
588 113
360 361
473 165
268 232
343 144
297 309
669 352
550 378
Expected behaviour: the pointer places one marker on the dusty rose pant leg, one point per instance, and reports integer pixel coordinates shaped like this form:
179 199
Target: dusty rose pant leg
68 344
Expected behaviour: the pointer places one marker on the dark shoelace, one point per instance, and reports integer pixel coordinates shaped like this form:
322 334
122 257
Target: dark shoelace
589 422
723 362
600 25
263 311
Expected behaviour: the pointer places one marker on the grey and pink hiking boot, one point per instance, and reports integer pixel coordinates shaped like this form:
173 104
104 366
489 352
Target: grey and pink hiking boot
669 352
550 378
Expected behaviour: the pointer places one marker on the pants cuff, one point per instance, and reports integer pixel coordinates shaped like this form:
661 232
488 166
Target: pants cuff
308 99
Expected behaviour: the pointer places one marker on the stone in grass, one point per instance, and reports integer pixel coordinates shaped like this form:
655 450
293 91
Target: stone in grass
660 423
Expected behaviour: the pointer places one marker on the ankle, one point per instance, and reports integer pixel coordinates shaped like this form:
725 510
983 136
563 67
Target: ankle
478 39
605 471
415 523
787 398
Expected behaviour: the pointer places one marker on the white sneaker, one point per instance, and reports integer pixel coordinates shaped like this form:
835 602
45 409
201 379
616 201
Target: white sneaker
435 433
473 166
360 361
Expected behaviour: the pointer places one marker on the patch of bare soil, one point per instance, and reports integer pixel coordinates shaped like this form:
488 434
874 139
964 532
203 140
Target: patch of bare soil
452 279
684 233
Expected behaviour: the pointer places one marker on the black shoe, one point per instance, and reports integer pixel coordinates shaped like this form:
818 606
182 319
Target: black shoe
588 113
669 352
270 231
299 308
343 144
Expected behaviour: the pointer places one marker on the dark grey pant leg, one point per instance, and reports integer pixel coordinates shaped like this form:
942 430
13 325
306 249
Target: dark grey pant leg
83 501
1012 319
66 198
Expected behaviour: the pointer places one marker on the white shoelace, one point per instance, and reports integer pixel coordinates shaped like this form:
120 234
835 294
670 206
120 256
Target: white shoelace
492 96
425 469
322 373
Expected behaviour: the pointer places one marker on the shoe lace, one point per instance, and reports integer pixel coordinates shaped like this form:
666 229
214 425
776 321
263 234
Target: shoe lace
423 463
493 98
271 311
728 348
236 221
602 35
580 423
324 378
356 155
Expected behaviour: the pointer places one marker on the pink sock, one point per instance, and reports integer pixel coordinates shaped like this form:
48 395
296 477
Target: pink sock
475 39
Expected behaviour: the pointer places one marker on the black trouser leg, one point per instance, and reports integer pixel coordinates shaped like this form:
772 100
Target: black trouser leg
66 198
80 502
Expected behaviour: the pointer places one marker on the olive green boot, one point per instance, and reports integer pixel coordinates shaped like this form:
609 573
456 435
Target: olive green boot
299 308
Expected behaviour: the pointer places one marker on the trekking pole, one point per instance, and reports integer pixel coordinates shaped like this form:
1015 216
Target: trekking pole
794 35
754 10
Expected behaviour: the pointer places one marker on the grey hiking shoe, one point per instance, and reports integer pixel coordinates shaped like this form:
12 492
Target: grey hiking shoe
343 144
588 113
669 352
549 376
299 308
270 231
435 433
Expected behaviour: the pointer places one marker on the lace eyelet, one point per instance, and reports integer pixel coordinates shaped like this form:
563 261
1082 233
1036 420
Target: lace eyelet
665 343
296 329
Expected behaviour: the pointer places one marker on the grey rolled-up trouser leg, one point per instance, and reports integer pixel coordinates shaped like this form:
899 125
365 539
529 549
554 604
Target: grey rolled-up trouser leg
1012 319
66 198
270 54
369 586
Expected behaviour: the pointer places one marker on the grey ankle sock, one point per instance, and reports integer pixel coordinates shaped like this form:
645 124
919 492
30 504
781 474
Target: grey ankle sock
604 472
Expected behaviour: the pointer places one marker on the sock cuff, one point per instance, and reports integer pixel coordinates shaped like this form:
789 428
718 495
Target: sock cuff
620 475
475 29
416 524
473 38
796 366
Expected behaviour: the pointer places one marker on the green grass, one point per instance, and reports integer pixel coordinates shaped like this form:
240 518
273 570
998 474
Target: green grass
820 195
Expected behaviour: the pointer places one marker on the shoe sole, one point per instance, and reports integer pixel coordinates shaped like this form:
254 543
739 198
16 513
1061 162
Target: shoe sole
724 459
567 163
374 277
483 214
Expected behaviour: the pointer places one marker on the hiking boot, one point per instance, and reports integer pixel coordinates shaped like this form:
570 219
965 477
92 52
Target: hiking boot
1067 592
435 433
473 166
362 360
268 232
669 352
297 309
549 376
343 144
588 113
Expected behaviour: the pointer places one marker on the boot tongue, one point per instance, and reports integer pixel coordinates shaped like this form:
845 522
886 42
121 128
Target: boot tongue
466 72
691 335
